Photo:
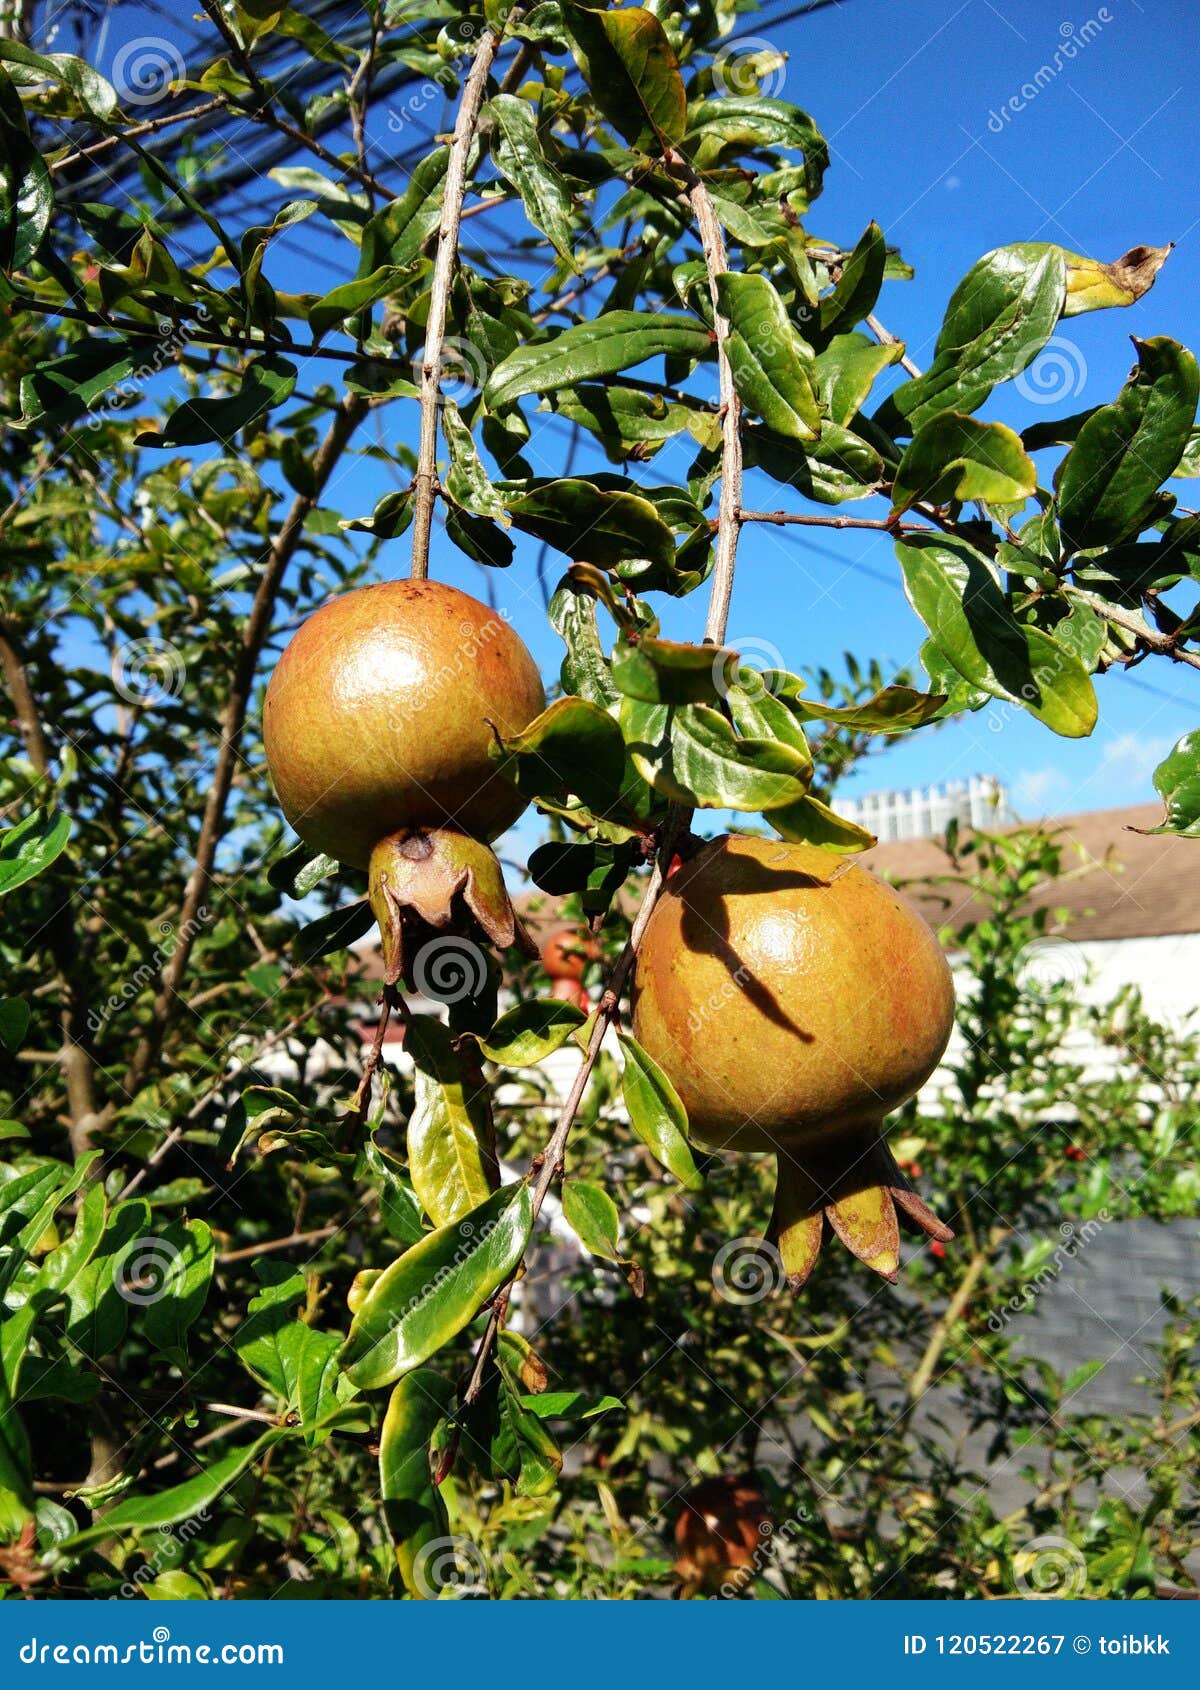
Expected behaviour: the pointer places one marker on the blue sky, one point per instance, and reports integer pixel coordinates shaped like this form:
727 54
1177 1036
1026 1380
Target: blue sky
919 101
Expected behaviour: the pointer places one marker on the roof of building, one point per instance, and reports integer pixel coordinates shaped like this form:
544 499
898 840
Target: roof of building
1141 885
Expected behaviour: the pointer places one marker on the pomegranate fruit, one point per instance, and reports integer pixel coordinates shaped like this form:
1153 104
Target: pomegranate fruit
566 954
794 999
720 1533
377 717
572 991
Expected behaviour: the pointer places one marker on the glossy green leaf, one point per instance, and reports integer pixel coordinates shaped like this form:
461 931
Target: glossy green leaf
656 1114
857 289
596 871
395 235
187 1246
96 95
630 67
333 931
531 1030
352 297
953 457
265 383
593 1216
811 822
669 671
615 341
623 417
1000 316
30 846
846 370
588 522
1177 782
435 1289
520 157
466 481
58 390
955 592
450 1157
838 466
770 363
569 1405
1124 452
693 756
754 122
412 1504
398 1204
294 1360
26 190
573 749
585 668
891 710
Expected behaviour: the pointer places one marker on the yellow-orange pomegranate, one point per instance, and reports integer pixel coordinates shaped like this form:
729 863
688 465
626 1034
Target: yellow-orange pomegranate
566 954
377 718
794 1000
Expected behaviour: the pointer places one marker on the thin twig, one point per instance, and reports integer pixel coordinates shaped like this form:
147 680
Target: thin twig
425 484
886 523
253 1251
885 337
150 127
1165 644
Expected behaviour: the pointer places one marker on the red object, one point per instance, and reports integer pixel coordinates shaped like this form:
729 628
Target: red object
1073 1153
675 865
571 991
567 953
937 1248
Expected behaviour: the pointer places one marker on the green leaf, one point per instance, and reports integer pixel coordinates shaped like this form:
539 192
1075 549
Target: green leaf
592 1214
891 710
656 1114
810 822
615 341
479 538
266 382
1124 452
58 390
520 157
954 457
596 871
331 932
450 1158
466 480
631 70
194 1497
395 235
585 669
573 749
295 1361
1177 782
14 1021
96 95
412 1503
857 289
692 756
531 1030
623 417
669 672
955 592
26 191
569 1405
435 1289
398 1203
1000 316
184 1289
756 121
838 466
593 523
847 369
768 359
30 846
352 297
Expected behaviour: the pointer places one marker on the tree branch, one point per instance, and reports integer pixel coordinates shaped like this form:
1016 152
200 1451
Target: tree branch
439 297
1165 644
